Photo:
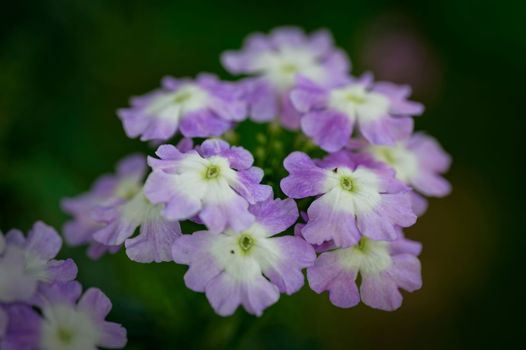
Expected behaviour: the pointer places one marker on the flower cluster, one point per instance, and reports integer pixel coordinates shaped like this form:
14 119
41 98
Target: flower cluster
355 199
41 306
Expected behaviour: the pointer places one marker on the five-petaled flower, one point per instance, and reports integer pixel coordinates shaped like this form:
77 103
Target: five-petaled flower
247 267
276 61
380 111
357 197
214 182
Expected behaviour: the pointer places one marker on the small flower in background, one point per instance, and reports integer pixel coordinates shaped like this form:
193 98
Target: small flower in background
27 263
383 266
214 182
419 162
276 61
197 108
358 197
109 215
380 111
38 298
248 267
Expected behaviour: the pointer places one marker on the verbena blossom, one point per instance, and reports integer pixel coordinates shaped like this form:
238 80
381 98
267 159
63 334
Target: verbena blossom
111 212
67 320
247 267
213 182
197 108
419 162
383 266
379 111
28 262
357 197
276 60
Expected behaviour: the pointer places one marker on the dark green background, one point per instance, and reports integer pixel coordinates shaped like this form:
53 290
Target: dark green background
65 66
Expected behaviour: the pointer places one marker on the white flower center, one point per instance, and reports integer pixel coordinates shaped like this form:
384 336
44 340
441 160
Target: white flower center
66 328
367 257
352 191
174 105
282 66
401 159
245 255
207 179
139 210
358 103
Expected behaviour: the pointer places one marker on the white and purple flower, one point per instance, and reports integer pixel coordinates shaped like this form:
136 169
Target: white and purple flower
111 212
380 111
277 60
202 107
214 182
384 267
28 263
249 267
357 197
68 321
419 162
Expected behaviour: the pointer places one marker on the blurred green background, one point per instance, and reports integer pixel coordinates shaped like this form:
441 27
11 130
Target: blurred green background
65 66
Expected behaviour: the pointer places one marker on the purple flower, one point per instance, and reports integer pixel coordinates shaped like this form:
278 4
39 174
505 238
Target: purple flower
248 267
383 266
277 60
111 212
357 197
380 111
198 108
72 321
419 162
214 182
27 263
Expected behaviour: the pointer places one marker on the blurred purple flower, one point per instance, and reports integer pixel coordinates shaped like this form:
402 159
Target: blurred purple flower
197 108
276 60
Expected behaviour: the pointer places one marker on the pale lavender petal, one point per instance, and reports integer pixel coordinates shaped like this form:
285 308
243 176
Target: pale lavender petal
247 185
308 96
276 215
296 255
43 241
96 303
193 250
61 270
263 101
3 321
97 250
258 295
213 147
203 123
224 294
289 116
328 224
306 178
230 214
432 185
331 130
113 336
405 246
387 130
154 242
418 203
60 292
406 272
380 292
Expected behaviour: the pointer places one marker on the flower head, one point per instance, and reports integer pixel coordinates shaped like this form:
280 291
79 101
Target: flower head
277 60
383 266
214 182
419 162
380 111
197 108
357 197
248 267
111 212
75 321
27 263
